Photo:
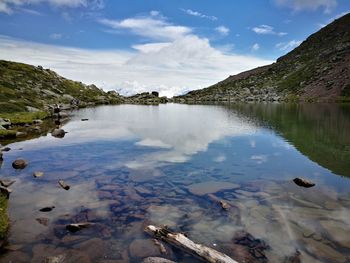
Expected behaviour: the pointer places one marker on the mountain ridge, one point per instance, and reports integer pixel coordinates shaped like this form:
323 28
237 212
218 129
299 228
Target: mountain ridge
317 70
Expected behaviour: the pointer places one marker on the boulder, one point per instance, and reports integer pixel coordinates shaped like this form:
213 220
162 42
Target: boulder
19 164
21 134
38 174
1 158
32 109
58 133
303 182
6 123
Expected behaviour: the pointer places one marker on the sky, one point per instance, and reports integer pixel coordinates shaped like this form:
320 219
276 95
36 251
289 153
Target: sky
171 46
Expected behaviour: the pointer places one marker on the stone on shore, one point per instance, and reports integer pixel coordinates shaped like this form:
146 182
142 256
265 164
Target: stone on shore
58 133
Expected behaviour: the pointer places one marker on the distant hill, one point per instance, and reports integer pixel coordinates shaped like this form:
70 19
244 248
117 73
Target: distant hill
317 70
28 88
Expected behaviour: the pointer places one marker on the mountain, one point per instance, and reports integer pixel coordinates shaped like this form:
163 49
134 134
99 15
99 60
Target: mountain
28 88
317 70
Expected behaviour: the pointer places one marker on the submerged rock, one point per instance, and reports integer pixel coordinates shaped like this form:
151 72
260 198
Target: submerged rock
76 227
19 164
43 221
6 149
256 247
210 187
303 182
63 185
58 133
47 209
38 174
84 119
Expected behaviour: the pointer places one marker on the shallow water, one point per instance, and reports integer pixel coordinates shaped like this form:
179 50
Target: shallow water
130 166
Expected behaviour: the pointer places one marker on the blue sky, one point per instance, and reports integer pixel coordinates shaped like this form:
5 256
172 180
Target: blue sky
171 46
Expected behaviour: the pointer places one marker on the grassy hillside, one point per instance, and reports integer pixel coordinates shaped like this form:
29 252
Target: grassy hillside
24 87
319 69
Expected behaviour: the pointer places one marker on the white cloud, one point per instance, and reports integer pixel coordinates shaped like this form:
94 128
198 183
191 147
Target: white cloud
56 36
299 5
255 47
223 30
267 30
198 14
286 46
151 27
170 63
8 6
259 159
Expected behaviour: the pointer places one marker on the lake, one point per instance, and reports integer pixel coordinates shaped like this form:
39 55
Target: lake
170 165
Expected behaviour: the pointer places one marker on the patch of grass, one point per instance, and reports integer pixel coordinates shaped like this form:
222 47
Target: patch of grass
7 134
4 220
24 117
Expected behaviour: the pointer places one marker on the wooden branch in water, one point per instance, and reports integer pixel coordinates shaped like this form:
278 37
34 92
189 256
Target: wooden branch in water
179 240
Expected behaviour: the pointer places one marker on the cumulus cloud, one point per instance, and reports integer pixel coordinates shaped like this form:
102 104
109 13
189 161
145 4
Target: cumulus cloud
286 46
155 28
223 30
267 30
198 14
174 60
299 5
255 47
8 6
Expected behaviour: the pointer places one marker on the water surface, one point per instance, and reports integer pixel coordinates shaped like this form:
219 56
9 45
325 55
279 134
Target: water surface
130 166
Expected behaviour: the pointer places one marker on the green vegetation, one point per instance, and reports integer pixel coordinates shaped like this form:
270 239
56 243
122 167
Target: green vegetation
20 118
319 131
23 86
4 220
7 134
317 70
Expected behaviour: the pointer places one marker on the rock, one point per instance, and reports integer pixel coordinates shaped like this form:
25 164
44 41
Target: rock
142 248
58 133
56 259
303 182
5 123
295 258
21 134
5 191
38 174
76 227
99 251
37 122
157 260
32 109
19 164
224 205
256 247
63 185
6 149
1 158
210 187
7 183
43 221
84 119
47 209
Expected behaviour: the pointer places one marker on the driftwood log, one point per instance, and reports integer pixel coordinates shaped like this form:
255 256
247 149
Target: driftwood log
179 240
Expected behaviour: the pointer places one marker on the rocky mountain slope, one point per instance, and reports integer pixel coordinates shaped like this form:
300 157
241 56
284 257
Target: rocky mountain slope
317 70
27 88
